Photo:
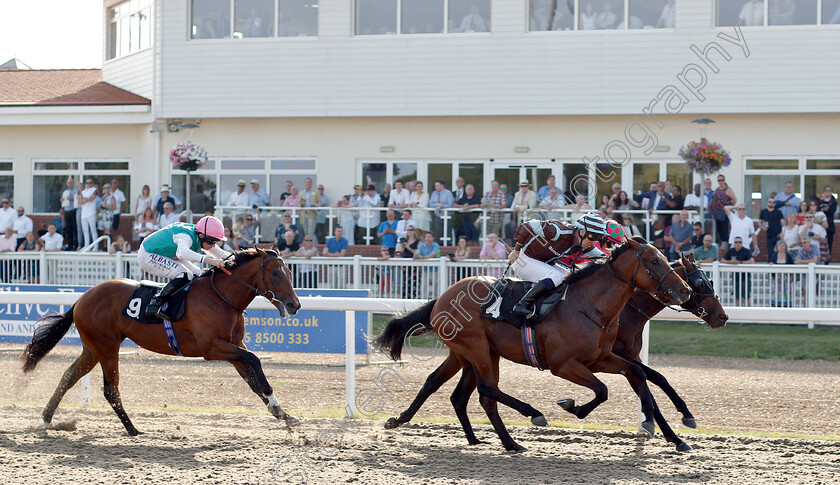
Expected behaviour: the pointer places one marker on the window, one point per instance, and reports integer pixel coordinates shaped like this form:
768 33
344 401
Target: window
809 175
757 13
129 27
380 17
49 179
7 179
601 14
211 19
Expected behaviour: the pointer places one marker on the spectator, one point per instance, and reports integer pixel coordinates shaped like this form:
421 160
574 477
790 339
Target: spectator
287 245
580 204
7 215
693 201
368 219
8 243
493 202
400 197
119 202
119 246
228 244
404 224
145 225
199 202
493 248
771 221
240 198
800 212
408 274
285 226
738 254
468 203
696 236
258 197
309 198
321 220
169 216
624 203
808 253
420 200
440 199
552 201
607 19
287 193
722 197
462 252
347 218
293 199
813 206
679 236
523 200
144 200
616 189
86 199
811 230
22 225
336 246
107 209
428 248
248 234
781 285
675 203
787 202
387 232
32 266
543 193
307 273
52 241
821 222
708 252
741 226
752 14
473 22
385 196
790 234
163 198
605 205
58 221
828 205
629 226
68 203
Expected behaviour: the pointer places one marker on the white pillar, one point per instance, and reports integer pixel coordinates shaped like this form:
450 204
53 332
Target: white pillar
350 362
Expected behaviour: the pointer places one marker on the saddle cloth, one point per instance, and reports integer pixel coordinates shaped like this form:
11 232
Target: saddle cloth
135 308
507 292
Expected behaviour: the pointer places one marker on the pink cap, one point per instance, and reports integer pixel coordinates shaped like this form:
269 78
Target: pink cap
210 226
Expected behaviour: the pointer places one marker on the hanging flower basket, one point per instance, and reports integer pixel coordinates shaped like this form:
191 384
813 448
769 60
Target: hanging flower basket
705 157
188 156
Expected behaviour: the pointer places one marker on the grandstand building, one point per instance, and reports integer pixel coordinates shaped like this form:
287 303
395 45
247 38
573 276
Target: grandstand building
353 91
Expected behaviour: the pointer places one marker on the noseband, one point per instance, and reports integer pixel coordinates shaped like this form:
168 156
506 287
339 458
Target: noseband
693 303
274 301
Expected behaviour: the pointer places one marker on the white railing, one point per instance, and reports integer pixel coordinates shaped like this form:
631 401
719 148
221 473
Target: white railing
794 286
442 221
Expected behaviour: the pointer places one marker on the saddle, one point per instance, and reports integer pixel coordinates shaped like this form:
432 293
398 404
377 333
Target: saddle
507 292
135 308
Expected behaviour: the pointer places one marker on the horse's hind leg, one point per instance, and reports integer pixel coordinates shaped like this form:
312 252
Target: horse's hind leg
83 364
111 375
660 381
613 364
461 397
488 389
443 373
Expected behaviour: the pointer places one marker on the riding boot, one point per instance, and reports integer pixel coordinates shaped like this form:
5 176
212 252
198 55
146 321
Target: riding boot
525 307
154 307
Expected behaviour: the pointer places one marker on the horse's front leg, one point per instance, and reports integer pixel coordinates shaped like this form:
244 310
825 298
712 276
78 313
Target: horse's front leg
249 367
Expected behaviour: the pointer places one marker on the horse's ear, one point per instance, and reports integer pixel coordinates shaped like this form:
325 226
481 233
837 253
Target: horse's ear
260 251
634 244
685 261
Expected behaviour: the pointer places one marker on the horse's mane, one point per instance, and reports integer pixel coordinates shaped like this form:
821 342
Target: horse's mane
588 269
242 256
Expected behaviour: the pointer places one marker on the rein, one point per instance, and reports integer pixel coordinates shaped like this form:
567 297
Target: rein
263 262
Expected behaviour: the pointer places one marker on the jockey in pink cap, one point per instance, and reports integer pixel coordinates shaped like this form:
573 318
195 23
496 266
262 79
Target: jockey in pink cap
170 253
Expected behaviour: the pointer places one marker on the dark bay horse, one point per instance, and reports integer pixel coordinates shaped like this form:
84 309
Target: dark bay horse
628 344
212 327
574 341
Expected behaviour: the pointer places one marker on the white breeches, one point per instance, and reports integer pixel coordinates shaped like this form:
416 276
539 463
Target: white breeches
535 270
165 267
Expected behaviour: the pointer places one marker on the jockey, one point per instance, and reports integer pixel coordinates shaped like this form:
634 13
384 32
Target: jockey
614 238
171 252
536 262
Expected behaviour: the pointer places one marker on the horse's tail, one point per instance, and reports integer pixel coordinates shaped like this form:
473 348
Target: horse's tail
51 329
415 323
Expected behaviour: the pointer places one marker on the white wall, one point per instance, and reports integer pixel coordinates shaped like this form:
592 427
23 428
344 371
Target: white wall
506 72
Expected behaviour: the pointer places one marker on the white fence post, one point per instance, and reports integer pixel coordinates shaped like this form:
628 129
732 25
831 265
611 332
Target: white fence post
350 363
811 294
118 272
716 274
443 274
357 272
45 271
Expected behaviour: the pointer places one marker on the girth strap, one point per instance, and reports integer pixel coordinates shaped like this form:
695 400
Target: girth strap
170 335
529 344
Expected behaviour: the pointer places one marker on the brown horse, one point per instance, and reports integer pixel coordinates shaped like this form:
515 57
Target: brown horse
212 327
639 309
574 341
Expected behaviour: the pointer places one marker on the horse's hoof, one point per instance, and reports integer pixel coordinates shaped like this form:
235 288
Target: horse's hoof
134 432
689 422
539 421
516 448
684 447
567 404
474 442
46 424
392 423
648 427
291 421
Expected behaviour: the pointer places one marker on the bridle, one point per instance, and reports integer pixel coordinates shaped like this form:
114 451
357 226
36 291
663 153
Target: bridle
640 263
263 261
693 303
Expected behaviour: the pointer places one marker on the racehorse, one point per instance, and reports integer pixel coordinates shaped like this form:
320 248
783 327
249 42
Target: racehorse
212 327
573 341
639 309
